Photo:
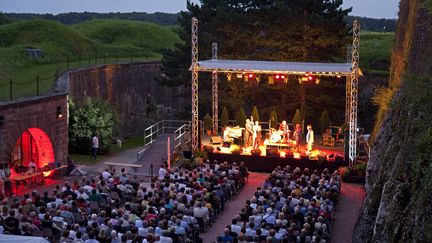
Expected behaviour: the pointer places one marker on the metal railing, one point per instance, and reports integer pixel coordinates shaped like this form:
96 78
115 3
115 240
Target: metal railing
152 132
364 147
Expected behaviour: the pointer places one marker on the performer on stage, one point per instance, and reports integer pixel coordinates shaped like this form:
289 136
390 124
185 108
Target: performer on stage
256 135
309 138
248 133
297 135
283 128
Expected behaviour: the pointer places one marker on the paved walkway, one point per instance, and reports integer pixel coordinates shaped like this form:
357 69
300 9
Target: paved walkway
347 210
233 208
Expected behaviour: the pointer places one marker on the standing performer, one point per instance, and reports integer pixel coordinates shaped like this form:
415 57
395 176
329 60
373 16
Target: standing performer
248 133
309 138
283 128
297 135
256 135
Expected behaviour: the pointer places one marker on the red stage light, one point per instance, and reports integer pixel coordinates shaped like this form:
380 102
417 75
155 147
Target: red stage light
282 77
277 76
310 78
339 76
250 75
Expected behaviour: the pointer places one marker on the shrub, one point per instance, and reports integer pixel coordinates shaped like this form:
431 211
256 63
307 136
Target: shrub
240 117
255 114
224 117
297 118
324 121
208 122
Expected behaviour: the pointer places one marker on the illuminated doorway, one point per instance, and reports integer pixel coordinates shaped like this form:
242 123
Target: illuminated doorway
33 145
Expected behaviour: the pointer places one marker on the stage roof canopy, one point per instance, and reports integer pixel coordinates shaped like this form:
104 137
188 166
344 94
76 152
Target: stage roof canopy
269 67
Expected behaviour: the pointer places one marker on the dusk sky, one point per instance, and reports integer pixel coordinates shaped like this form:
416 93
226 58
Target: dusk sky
365 8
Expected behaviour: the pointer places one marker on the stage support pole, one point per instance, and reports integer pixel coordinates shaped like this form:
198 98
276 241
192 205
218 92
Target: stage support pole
348 99
195 125
215 91
354 94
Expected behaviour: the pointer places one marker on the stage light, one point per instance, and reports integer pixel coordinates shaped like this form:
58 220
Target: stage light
59 112
338 76
229 76
239 75
310 78
251 75
277 76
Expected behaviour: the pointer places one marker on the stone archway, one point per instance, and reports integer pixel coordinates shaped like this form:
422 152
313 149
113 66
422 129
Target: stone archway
35 145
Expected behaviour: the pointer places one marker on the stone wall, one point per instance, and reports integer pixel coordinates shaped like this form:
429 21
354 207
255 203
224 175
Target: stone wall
129 87
397 206
39 112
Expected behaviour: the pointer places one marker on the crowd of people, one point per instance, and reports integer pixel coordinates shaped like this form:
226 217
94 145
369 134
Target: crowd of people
115 207
292 206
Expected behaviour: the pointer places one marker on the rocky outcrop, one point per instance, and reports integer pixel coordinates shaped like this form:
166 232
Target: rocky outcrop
398 203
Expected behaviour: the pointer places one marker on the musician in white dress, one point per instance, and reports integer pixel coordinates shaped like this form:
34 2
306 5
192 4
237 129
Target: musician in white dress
248 133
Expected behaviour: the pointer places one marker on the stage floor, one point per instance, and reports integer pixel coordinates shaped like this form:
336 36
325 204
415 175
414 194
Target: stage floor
338 149
267 163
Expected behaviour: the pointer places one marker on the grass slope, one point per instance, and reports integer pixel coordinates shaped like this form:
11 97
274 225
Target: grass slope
85 44
129 33
375 46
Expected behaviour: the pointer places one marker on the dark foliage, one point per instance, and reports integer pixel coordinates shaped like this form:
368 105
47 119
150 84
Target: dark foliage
74 18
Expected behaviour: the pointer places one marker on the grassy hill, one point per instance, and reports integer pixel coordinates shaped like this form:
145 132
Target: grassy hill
88 43
375 46
128 33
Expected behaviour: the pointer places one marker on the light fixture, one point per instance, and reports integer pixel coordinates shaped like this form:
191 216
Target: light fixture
59 112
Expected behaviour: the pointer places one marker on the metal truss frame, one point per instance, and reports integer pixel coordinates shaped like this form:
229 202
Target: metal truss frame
354 94
195 119
351 105
215 107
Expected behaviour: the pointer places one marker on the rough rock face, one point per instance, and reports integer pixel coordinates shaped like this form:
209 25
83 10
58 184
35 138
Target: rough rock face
398 204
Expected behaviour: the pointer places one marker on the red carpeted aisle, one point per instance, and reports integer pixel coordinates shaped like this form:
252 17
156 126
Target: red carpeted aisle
233 208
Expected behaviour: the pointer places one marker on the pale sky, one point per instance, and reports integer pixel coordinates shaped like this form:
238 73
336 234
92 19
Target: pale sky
364 8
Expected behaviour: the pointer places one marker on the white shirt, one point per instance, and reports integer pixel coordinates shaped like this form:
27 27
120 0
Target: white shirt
310 136
162 173
95 141
106 175
236 228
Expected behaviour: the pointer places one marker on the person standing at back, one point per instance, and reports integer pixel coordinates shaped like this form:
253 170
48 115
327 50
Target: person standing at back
95 145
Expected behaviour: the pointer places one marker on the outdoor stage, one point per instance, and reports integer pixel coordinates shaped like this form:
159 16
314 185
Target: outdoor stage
322 156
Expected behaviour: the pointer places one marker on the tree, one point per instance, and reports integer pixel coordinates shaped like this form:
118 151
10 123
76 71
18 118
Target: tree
240 117
89 118
274 119
208 122
255 114
297 119
224 117
297 30
324 121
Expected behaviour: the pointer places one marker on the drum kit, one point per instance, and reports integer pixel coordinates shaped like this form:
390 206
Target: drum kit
276 136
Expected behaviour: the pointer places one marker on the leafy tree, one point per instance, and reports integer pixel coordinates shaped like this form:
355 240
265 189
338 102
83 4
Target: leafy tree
89 118
240 117
255 114
297 119
2 19
274 119
224 117
297 30
208 122
324 121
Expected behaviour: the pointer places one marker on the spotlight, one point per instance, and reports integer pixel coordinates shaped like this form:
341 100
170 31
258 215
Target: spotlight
229 76
59 112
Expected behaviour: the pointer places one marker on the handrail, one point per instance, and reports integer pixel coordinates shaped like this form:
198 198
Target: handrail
152 132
